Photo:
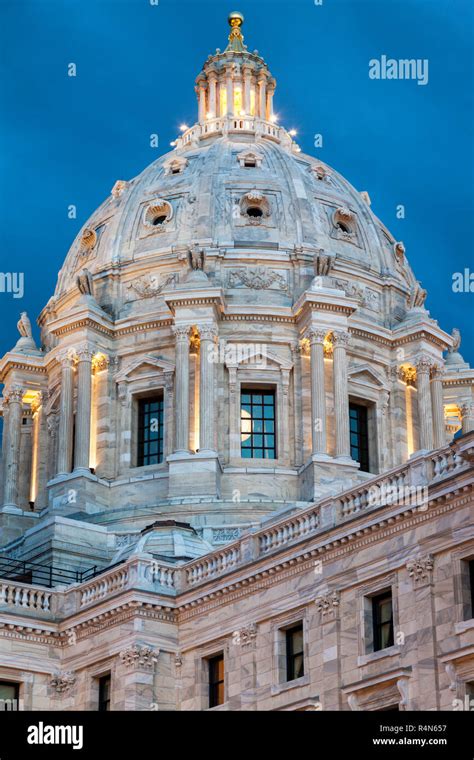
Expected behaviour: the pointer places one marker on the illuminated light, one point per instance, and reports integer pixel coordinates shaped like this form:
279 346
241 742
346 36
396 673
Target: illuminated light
273 118
209 115
237 99
173 144
29 397
242 113
223 101
293 132
409 390
252 101
183 127
246 425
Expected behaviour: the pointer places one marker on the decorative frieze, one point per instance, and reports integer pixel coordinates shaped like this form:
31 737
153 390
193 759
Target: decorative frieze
328 605
420 570
259 278
139 655
148 285
62 683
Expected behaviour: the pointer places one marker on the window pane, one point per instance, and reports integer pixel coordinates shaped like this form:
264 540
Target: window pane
258 407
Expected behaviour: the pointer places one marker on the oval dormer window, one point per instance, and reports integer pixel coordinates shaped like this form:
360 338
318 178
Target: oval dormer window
158 214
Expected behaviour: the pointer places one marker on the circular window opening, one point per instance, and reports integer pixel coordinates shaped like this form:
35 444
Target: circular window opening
343 227
254 211
161 219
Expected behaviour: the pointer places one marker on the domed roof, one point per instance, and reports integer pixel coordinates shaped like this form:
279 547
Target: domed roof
235 180
168 540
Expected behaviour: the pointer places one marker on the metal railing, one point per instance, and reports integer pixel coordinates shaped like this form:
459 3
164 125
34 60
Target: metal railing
24 571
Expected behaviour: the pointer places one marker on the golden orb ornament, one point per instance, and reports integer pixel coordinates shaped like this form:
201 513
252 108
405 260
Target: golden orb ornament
235 19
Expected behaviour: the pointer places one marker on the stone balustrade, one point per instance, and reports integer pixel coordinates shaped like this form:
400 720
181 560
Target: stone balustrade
27 597
297 527
224 125
402 486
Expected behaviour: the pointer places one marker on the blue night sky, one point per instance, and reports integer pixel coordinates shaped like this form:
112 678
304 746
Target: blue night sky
66 140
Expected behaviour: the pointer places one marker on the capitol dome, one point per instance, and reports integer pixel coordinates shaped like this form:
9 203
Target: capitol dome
235 181
233 335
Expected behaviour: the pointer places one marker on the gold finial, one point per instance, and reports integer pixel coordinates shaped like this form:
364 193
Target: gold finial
235 19
236 40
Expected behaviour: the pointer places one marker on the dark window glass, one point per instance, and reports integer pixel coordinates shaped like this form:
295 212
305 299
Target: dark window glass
471 582
158 220
294 653
359 435
150 430
104 693
257 424
216 680
254 211
9 694
382 617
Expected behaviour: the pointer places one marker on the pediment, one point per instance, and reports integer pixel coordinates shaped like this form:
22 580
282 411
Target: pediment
144 367
366 375
250 357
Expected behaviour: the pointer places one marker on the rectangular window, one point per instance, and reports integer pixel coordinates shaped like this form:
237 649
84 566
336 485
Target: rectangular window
216 680
9 695
104 693
257 424
150 430
382 620
359 435
471 586
294 652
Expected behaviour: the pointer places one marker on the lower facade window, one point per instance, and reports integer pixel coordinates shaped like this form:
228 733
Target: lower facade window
382 620
294 652
9 695
216 680
257 424
359 433
150 430
104 693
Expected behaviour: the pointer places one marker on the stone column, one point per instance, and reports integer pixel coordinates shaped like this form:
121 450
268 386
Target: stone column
467 417
66 415
269 104
212 78
262 95
208 335
36 451
341 395
247 85
234 415
83 410
439 432
169 406
230 92
297 404
12 452
182 389
424 403
202 101
318 393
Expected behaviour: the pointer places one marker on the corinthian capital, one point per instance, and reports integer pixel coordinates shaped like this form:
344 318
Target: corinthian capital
207 331
85 353
316 335
181 333
67 358
14 394
423 365
341 338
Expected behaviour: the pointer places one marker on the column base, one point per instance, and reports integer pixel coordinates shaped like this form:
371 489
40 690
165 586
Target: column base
323 476
194 474
11 509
